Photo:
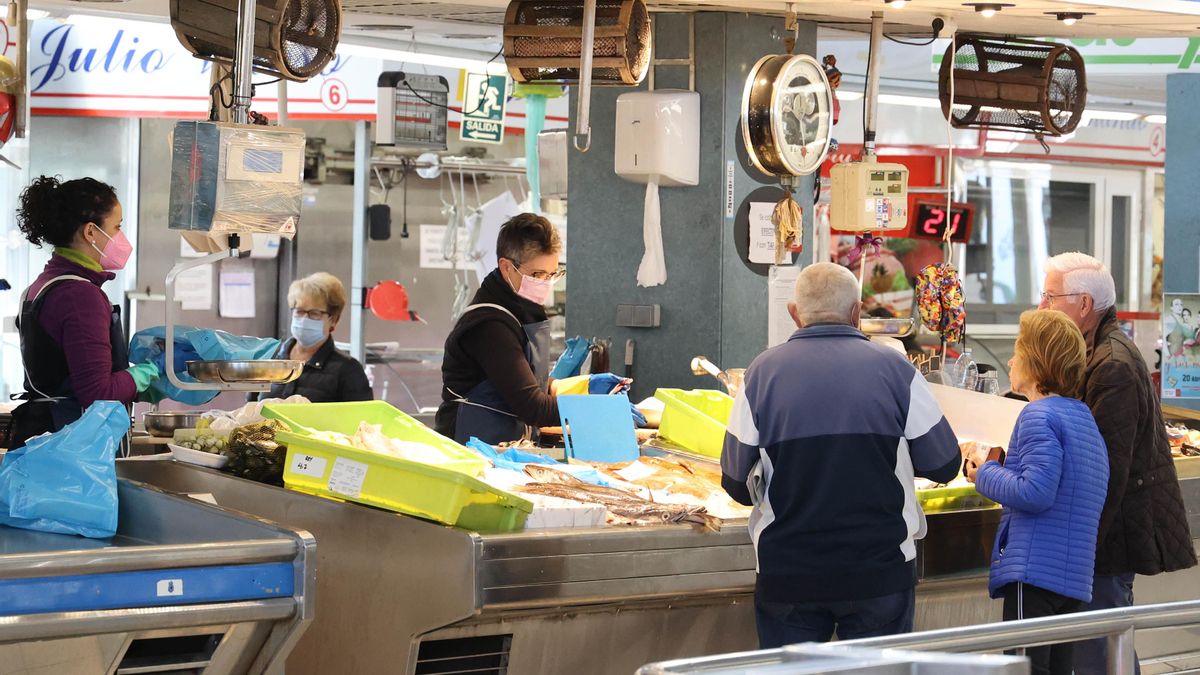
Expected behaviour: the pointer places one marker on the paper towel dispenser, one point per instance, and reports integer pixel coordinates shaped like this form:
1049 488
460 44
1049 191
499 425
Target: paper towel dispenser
658 137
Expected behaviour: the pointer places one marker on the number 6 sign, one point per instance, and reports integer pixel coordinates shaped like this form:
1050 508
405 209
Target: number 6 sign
334 95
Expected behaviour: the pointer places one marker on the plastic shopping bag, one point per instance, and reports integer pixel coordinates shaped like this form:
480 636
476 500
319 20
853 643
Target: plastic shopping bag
66 482
569 364
194 344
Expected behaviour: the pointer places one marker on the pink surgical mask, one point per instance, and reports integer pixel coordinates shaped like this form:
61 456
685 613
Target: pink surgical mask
116 252
535 290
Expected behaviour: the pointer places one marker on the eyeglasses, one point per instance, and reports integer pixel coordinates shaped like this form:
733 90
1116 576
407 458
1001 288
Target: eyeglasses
1050 297
314 314
544 276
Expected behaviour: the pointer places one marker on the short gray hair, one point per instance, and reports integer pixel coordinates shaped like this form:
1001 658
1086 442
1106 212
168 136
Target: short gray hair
826 293
1084 274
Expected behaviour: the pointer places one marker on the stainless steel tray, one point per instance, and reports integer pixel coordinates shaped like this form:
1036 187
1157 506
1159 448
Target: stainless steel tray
266 371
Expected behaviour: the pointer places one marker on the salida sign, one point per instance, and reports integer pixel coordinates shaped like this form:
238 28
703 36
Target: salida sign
483 108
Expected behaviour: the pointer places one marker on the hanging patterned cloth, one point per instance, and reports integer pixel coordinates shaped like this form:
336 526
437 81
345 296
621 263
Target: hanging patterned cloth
940 301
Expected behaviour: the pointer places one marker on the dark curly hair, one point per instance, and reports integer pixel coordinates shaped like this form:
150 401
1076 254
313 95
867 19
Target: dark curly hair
527 235
52 211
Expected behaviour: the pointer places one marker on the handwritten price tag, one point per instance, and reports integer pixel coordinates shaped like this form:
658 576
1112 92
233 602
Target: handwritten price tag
307 465
347 477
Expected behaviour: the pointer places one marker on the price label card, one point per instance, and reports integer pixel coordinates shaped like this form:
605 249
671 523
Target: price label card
307 465
347 477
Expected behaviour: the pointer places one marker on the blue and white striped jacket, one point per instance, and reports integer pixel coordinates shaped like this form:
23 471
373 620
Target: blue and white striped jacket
825 439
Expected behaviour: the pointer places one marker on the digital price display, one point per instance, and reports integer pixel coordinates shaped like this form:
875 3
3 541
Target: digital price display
930 221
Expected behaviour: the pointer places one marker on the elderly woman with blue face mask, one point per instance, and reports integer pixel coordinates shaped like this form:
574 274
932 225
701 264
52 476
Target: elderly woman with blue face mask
329 375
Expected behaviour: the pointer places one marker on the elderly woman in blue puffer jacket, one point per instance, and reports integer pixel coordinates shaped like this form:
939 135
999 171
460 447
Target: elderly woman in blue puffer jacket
1052 485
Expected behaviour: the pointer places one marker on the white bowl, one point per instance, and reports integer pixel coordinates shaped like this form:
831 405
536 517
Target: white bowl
197 457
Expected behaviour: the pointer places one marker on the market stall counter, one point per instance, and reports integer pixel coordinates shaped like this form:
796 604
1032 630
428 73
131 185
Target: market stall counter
182 586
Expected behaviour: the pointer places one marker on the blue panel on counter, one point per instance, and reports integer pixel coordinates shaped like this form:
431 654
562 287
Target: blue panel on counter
598 428
154 588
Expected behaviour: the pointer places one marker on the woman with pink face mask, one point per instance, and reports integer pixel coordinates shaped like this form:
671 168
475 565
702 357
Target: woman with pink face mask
73 347
496 367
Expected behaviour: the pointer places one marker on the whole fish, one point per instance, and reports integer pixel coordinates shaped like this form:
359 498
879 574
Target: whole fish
548 474
625 505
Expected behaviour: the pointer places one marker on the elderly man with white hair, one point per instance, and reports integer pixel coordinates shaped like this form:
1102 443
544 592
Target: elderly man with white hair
1143 528
827 433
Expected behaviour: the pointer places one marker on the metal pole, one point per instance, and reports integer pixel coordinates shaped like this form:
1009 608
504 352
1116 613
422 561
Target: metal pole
281 107
1121 654
583 126
871 102
22 112
243 61
358 264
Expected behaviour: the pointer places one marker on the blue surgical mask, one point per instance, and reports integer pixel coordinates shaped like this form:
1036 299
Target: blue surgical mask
308 332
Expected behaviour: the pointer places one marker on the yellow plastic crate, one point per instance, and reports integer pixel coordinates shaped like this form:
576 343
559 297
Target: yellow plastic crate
412 488
695 420
446 493
938 500
344 418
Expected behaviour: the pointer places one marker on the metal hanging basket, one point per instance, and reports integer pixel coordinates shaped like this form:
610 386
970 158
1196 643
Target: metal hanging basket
294 39
543 41
1007 83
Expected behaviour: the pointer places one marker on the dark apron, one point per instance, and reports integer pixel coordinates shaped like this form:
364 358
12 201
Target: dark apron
50 404
482 413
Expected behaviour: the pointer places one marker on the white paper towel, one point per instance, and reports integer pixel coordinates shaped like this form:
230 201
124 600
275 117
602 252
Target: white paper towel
653 270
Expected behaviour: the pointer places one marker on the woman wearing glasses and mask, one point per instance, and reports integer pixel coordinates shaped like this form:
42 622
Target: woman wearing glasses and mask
496 367
329 375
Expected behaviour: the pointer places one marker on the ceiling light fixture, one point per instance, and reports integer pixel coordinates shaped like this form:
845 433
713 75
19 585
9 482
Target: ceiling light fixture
896 4
988 9
1156 119
1069 18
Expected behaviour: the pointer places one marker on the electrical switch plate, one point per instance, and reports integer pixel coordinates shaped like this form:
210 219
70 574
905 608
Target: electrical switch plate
639 316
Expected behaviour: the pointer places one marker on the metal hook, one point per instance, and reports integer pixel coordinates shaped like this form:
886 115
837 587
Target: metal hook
587 144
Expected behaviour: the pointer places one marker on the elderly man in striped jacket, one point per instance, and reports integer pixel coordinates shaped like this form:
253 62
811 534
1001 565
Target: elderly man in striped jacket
825 439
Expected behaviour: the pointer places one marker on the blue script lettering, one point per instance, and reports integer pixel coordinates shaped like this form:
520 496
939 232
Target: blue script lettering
54 46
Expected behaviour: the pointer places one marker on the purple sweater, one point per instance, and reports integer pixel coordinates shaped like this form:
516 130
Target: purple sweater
77 316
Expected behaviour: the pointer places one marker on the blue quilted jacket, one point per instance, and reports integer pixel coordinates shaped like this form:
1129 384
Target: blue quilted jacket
1052 486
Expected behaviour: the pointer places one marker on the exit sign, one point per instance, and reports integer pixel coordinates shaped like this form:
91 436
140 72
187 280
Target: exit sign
929 220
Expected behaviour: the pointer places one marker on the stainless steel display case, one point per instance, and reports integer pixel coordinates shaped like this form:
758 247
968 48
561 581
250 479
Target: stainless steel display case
76 605
396 591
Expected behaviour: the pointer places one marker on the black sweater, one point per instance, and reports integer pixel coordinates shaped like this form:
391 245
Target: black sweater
486 344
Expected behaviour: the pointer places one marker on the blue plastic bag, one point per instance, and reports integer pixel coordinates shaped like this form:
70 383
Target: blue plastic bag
66 482
194 344
516 460
569 364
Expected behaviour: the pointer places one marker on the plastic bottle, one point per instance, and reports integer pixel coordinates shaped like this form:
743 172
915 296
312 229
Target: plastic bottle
966 372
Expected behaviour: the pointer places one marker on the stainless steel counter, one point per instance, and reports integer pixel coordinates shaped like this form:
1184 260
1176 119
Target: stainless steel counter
183 586
396 591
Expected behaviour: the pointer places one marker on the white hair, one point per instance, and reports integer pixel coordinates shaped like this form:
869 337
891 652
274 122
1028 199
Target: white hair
1084 274
826 293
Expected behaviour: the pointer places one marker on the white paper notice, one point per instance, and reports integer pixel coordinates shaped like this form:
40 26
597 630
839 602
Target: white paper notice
347 477
432 237
762 235
237 289
194 288
781 289
307 465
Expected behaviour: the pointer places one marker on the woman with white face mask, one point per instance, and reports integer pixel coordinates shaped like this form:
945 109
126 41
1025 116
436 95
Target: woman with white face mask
73 345
329 376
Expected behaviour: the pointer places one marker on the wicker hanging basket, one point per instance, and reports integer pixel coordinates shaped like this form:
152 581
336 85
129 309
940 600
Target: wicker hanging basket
543 38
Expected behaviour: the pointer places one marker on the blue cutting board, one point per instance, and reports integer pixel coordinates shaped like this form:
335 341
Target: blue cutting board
598 428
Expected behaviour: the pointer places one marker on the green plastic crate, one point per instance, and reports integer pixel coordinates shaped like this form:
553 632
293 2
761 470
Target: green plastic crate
435 492
937 500
344 418
695 420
